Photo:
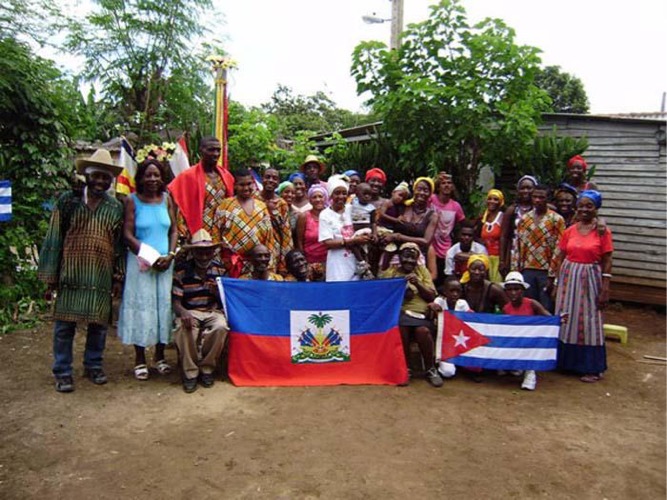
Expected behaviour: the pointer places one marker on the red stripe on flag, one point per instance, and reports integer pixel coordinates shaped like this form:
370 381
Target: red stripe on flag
261 360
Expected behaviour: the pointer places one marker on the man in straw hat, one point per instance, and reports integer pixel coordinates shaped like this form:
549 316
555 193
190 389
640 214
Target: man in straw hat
201 326
313 168
82 262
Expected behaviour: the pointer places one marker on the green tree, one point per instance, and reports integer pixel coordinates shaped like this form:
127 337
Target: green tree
37 118
566 91
317 113
139 53
251 136
453 96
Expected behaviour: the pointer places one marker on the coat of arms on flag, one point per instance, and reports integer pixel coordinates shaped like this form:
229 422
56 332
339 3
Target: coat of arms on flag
320 336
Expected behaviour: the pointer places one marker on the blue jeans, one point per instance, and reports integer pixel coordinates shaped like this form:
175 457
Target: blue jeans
538 279
63 340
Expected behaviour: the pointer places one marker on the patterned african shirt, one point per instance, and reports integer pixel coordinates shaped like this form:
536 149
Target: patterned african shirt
82 254
282 232
239 231
538 241
214 193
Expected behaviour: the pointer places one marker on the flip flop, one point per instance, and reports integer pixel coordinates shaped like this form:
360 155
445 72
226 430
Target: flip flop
163 368
589 379
141 372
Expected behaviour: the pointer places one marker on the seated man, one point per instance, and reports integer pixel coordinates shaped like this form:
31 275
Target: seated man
297 265
201 326
260 260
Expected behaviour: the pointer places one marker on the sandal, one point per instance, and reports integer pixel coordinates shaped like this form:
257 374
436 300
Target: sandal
590 378
141 372
163 368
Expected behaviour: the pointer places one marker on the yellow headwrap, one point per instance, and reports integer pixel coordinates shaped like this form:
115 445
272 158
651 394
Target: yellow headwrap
497 193
427 180
477 257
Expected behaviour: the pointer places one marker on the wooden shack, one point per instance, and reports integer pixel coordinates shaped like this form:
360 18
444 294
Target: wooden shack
631 173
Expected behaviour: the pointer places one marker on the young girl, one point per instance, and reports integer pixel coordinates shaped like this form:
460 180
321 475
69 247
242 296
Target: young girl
451 301
519 305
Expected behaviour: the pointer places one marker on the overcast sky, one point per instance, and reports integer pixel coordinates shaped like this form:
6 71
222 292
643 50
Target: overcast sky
617 48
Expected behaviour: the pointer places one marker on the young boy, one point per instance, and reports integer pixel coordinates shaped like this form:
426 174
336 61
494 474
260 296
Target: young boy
363 222
451 301
456 259
519 305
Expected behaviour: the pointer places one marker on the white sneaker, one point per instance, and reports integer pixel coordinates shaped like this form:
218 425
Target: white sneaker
529 380
446 370
516 373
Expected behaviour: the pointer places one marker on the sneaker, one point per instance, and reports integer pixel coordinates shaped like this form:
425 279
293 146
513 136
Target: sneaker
190 385
502 373
65 384
516 373
529 380
446 370
96 375
434 378
207 380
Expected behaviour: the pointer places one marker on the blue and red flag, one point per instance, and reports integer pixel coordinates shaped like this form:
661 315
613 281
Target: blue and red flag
301 334
498 341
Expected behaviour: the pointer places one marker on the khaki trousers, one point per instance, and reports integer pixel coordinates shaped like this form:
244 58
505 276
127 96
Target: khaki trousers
199 349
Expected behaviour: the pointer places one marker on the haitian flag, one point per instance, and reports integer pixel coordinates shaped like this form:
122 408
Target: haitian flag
512 342
301 334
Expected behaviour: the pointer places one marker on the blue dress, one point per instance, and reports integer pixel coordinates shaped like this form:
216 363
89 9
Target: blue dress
145 313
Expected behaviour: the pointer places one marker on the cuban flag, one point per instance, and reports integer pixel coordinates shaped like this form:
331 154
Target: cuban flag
306 334
5 201
498 341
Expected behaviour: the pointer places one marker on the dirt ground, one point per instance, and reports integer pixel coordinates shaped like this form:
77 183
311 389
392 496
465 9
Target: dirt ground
133 439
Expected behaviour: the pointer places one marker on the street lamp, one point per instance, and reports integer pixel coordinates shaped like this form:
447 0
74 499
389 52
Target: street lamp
374 19
396 22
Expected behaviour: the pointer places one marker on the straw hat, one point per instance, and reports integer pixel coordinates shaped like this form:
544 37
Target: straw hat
101 159
312 159
201 239
515 278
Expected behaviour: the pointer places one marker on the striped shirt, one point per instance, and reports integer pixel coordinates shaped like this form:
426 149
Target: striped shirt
195 292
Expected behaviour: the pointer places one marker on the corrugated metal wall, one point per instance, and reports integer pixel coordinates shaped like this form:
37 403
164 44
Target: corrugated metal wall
631 173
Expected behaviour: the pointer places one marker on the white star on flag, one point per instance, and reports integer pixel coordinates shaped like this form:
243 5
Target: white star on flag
461 339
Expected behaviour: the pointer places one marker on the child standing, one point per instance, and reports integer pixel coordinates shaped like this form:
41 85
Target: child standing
451 301
519 305
363 222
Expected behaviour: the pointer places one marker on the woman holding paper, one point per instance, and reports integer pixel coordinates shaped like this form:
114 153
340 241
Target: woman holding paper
151 235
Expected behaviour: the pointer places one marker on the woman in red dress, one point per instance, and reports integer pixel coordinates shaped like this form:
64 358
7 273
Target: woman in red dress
584 260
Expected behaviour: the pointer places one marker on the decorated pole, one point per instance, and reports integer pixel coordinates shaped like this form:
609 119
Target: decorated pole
221 65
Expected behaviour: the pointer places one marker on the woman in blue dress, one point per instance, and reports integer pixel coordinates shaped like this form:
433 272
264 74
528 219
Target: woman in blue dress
151 235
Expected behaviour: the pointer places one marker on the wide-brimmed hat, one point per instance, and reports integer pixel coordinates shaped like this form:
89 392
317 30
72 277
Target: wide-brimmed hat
201 239
515 278
100 159
312 159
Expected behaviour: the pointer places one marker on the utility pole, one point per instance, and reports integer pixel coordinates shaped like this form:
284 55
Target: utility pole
396 23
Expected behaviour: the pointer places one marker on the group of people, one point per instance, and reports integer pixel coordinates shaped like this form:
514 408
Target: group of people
164 246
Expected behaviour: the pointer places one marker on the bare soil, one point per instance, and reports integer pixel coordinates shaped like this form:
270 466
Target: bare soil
131 439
